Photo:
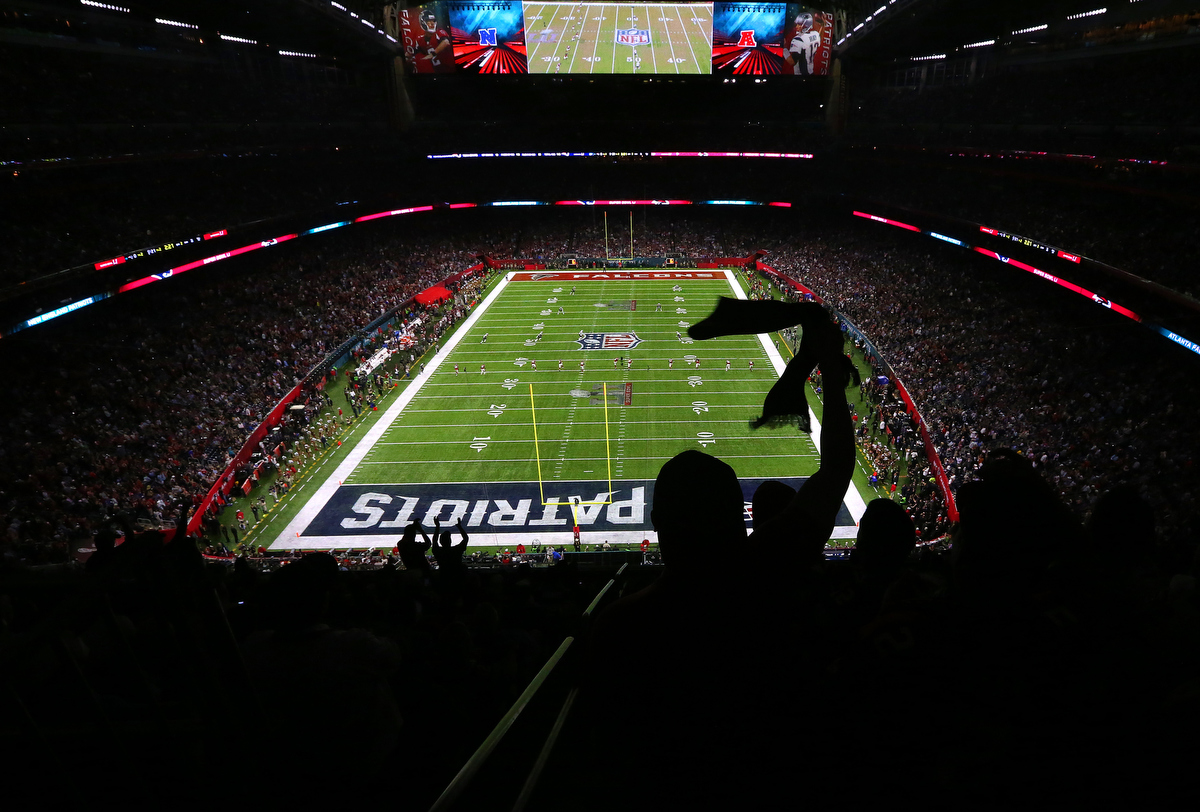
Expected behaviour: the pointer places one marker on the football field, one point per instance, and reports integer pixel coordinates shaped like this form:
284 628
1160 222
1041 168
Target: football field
646 38
556 403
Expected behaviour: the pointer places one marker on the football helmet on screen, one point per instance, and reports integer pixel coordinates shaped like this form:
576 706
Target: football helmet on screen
428 20
804 22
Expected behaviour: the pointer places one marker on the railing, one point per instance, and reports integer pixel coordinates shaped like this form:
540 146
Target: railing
557 676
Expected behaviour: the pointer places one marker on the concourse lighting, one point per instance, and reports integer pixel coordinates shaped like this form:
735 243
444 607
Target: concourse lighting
94 4
175 23
980 44
1092 13
1032 28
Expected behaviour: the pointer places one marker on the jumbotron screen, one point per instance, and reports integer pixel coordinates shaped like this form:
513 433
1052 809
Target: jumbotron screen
510 36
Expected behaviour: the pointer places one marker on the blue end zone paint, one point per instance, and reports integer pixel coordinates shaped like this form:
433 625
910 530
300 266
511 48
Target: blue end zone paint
503 507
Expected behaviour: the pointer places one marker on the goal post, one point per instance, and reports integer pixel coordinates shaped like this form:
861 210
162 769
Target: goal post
538 456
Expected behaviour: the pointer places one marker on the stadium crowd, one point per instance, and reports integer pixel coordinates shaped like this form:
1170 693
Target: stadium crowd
988 371
152 412
149 415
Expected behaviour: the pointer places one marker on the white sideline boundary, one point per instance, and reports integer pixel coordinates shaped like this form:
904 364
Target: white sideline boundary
289 537
853 499
316 503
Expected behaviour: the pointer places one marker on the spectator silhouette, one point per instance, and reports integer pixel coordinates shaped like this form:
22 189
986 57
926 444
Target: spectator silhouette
770 500
449 556
412 552
346 702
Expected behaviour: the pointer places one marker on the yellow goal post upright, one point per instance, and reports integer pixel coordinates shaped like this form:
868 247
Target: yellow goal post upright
538 455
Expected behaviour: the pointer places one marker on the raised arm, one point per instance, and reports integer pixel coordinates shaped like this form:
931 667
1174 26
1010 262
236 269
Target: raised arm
424 535
461 547
811 514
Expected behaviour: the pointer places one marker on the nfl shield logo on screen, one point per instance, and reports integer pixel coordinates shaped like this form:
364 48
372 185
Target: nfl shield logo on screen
608 341
633 36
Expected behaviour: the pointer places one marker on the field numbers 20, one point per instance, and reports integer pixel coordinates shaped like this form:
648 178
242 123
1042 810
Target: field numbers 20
497 409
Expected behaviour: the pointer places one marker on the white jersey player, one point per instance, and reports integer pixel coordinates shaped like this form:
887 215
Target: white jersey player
804 46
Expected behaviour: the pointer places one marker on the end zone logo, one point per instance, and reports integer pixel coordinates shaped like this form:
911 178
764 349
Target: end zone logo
608 341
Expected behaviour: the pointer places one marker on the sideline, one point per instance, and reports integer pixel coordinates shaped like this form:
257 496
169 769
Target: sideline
316 503
853 499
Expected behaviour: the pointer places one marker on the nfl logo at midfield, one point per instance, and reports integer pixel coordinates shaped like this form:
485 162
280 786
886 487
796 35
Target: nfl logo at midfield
633 36
608 341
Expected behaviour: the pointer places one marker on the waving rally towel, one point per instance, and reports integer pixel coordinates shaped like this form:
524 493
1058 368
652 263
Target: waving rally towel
785 404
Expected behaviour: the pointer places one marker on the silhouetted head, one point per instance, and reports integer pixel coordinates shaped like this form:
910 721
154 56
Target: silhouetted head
697 508
444 539
886 537
106 540
770 500
301 589
1011 522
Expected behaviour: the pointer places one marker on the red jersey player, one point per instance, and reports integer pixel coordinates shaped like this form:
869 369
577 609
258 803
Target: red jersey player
432 46
456 370
534 365
670 363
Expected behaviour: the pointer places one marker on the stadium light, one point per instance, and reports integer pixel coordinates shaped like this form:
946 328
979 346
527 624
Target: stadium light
175 23
297 53
880 10
931 56
106 6
980 44
231 38
1031 29
1092 13
338 5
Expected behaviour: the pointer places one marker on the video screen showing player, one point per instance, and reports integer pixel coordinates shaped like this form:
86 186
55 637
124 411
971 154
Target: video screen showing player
425 36
649 38
488 37
808 39
748 39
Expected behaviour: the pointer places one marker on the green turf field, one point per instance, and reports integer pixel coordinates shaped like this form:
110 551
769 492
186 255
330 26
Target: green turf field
582 38
460 444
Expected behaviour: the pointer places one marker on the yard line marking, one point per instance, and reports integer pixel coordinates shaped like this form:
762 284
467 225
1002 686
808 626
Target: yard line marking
587 459
568 440
683 28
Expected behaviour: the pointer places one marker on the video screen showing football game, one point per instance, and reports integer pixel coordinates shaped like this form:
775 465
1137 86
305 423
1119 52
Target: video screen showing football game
649 38
508 36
